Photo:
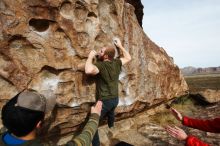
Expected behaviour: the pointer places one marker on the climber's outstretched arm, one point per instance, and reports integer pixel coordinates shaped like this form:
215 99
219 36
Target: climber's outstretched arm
126 56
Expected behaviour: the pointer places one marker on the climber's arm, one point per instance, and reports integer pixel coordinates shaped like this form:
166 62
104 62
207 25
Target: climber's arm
90 68
126 56
85 138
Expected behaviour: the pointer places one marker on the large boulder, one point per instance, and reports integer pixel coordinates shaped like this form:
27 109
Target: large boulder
210 95
44 45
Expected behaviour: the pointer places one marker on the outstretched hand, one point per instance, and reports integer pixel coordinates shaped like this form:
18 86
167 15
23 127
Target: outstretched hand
117 42
97 108
176 114
176 132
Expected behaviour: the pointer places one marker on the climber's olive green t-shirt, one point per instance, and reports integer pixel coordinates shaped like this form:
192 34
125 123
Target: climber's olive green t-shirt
107 79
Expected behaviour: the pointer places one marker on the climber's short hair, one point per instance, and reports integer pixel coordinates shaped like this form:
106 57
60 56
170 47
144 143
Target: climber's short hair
110 52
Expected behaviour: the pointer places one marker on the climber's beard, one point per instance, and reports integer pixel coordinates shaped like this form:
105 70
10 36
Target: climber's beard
101 57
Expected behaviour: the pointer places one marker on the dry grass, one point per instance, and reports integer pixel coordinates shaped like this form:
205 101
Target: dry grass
188 105
183 104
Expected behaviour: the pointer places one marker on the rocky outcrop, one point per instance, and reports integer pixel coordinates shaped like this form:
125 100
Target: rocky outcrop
210 95
44 44
147 128
188 70
138 9
194 71
205 85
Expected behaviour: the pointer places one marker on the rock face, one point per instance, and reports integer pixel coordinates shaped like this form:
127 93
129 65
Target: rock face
146 128
205 85
138 9
210 95
44 44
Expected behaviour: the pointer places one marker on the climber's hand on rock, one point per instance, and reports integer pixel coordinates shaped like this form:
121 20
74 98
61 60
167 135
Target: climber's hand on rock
176 132
117 42
176 114
97 108
92 54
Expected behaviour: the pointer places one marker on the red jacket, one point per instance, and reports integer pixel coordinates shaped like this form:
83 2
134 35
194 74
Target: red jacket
205 125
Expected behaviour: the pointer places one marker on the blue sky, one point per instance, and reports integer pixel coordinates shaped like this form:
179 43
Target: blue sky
189 30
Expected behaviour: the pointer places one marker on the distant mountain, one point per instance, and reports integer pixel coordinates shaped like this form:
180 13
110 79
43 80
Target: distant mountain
193 71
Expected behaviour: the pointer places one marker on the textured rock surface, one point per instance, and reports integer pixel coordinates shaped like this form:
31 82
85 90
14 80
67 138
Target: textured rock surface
207 85
146 128
143 130
44 44
211 95
138 9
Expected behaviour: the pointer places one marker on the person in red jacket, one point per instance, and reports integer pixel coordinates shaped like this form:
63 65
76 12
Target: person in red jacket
212 125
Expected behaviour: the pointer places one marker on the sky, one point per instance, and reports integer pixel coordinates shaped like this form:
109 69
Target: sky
189 30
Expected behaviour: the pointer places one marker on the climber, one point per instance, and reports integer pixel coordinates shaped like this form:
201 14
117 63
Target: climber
23 116
106 71
205 125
